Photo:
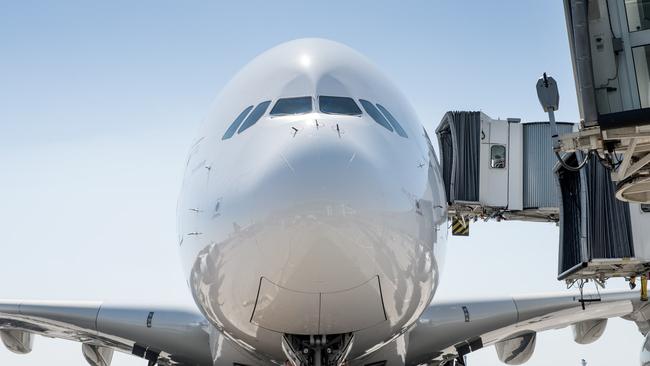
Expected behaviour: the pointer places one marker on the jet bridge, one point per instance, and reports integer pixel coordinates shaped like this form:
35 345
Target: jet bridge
507 170
500 169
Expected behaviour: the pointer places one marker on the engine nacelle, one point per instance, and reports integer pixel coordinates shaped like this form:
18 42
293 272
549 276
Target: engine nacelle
97 355
17 341
517 349
589 331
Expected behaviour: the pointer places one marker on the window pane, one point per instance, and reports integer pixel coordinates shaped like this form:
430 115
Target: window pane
398 128
255 115
498 156
645 207
638 14
338 105
375 114
235 124
285 106
642 66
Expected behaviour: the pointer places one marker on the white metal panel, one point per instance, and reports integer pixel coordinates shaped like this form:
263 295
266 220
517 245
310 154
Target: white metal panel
640 222
515 167
485 128
286 311
484 162
499 132
493 182
351 310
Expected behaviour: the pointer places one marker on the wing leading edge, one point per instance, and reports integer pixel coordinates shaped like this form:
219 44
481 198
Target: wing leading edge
450 329
163 335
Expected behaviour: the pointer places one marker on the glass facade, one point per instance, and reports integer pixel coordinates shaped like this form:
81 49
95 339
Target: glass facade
638 14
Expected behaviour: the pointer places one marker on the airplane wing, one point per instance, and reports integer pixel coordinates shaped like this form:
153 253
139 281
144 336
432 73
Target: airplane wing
167 336
446 331
449 330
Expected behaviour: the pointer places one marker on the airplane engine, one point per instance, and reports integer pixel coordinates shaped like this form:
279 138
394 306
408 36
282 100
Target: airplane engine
645 351
17 341
588 331
517 349
97 355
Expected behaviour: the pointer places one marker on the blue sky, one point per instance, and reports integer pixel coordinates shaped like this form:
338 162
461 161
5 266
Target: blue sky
99 102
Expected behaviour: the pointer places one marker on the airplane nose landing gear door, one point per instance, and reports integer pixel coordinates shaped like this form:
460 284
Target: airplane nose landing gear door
297 312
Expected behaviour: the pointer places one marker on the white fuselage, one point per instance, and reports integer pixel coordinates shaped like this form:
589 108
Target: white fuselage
313 223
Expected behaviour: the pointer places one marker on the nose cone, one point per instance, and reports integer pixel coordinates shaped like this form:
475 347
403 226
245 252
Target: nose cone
313 204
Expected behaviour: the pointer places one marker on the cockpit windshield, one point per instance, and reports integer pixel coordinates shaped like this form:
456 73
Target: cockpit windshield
255 115
338 105
326 104
288 106
235 124
375 114
393 121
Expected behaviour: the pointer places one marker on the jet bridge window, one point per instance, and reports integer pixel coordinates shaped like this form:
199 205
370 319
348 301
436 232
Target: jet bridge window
235 124
638 14
641 56
398 128
375 114
498 156
338 105
255 115
288 106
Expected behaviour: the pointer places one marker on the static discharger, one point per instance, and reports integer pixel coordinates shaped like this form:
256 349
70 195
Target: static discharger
459 226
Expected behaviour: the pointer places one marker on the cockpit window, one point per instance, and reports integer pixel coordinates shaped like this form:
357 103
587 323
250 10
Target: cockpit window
255 115
235 124
398 128
375 114
338 105
287 106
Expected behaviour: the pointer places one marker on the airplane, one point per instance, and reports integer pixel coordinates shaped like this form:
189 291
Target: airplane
312 224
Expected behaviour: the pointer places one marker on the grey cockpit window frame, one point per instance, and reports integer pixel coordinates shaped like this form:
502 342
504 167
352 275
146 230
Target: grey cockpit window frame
375 114
356 111
254 116
278 104
393 121
230 132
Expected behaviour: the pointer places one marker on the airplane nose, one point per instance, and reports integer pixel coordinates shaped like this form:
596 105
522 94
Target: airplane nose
318 233
323 172
313 206
316 236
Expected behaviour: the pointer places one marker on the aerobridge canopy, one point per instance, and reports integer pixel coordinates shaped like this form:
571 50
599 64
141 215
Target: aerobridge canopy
501 167
600 236
459 139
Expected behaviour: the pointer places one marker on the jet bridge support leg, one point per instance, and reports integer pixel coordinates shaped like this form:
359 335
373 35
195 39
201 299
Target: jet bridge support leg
644 288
